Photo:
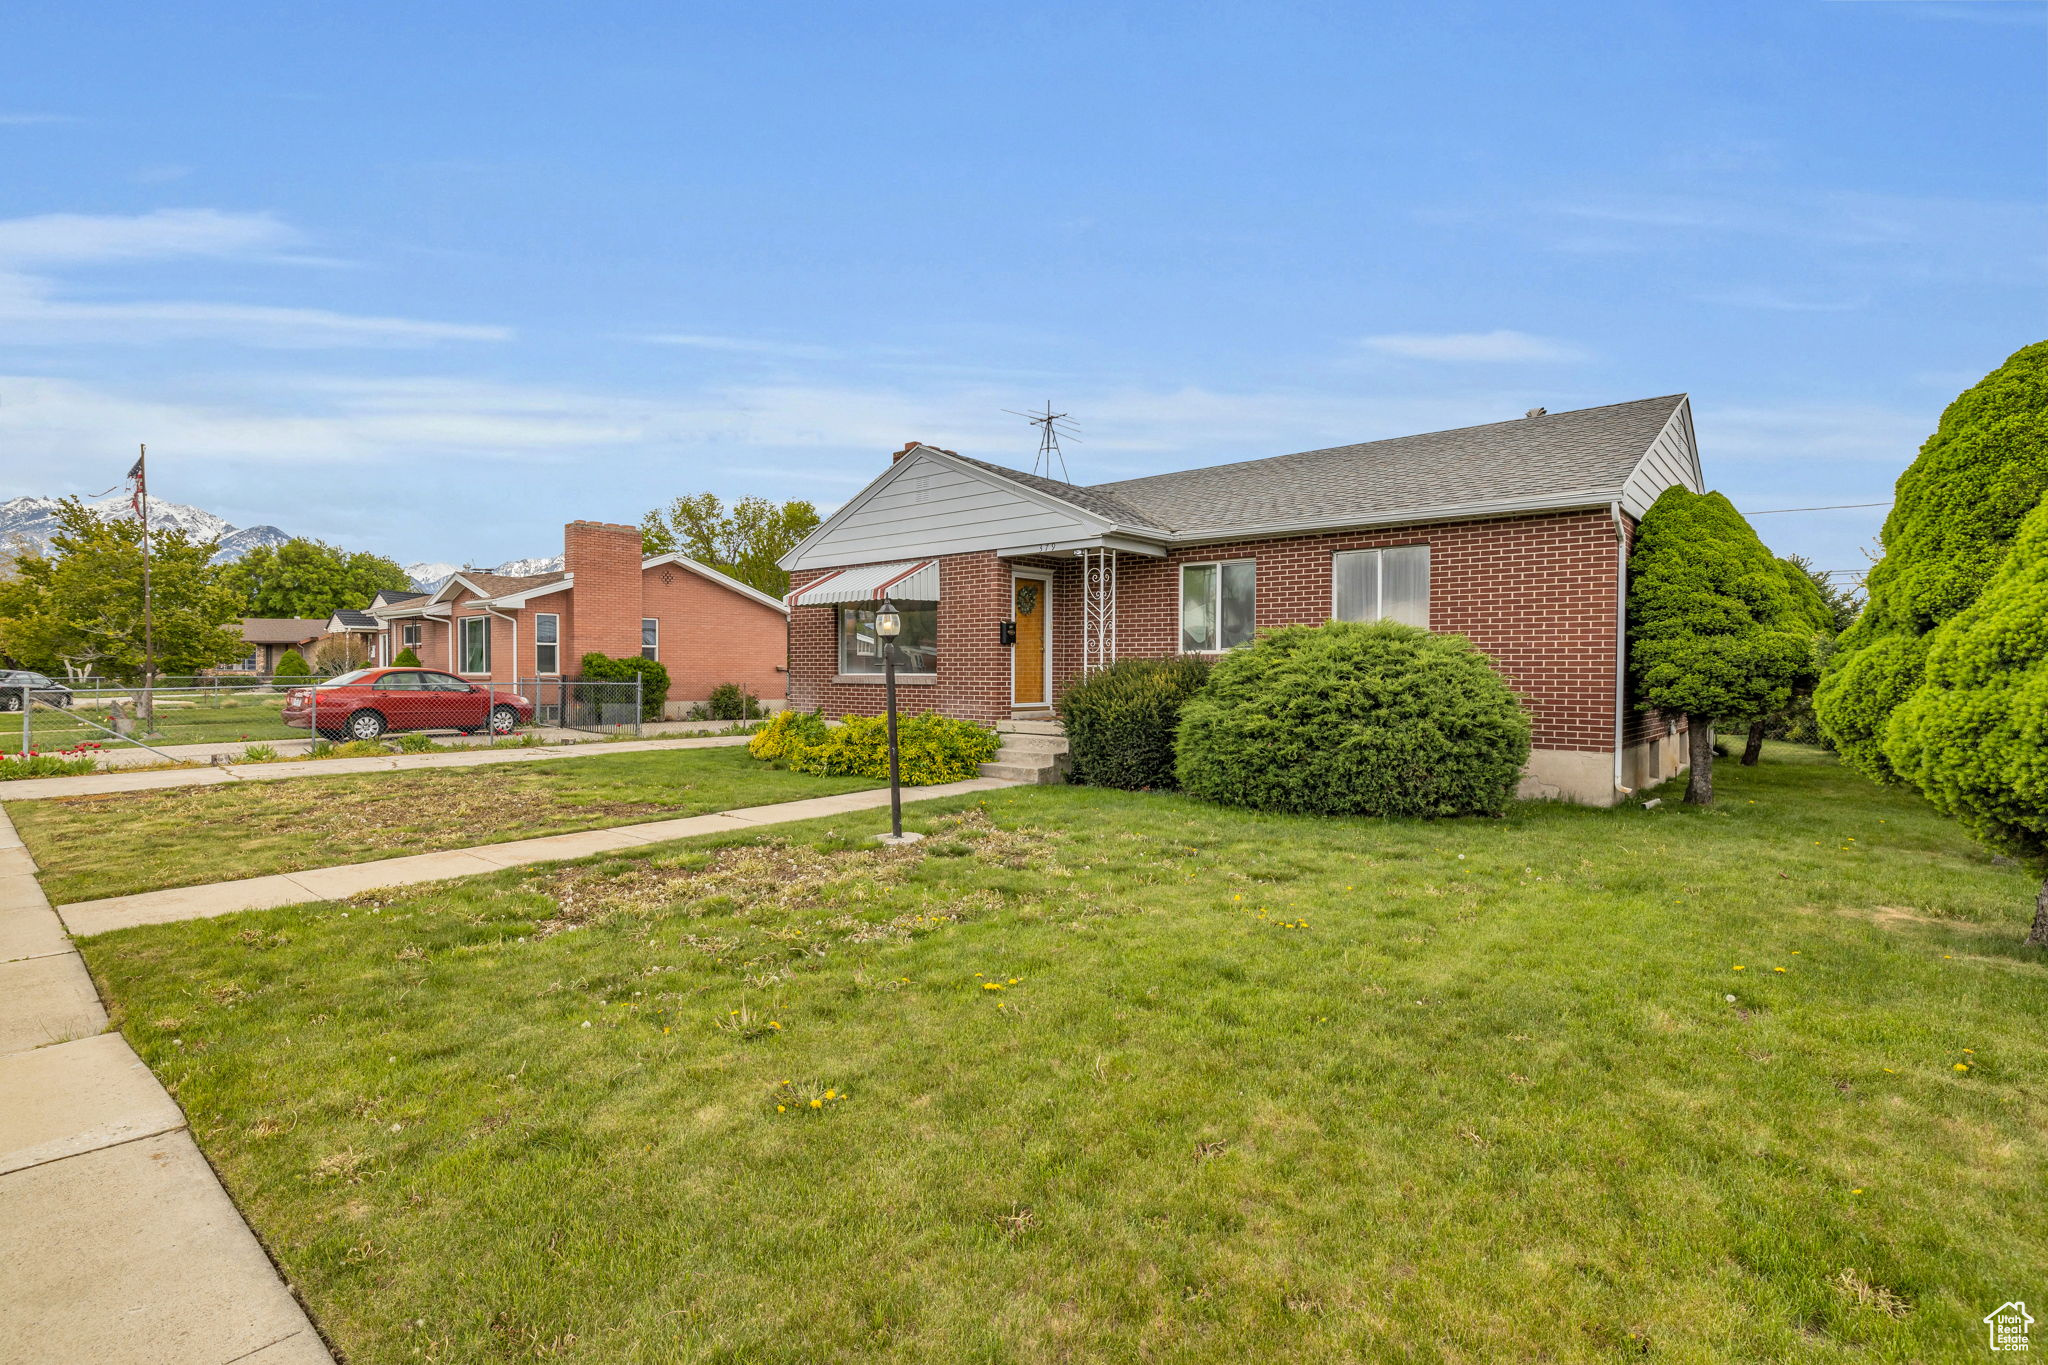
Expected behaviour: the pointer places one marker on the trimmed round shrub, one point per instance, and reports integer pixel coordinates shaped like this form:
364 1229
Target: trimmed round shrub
652 673
292 664
1121 721
1352 719
406 659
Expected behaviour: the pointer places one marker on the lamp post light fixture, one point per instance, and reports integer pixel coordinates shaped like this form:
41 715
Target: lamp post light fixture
889 625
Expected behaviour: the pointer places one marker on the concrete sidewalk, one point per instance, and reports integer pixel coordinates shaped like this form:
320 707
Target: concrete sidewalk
121 1247
99 784
332 883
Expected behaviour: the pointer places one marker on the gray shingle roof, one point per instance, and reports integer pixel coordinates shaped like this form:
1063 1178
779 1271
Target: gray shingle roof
1590 450
358 620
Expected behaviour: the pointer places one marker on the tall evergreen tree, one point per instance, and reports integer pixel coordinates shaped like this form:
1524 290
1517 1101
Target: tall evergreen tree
1813 615
1713 629
1973 736
1958 507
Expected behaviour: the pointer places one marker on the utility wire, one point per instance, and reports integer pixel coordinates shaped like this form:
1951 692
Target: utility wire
1831 507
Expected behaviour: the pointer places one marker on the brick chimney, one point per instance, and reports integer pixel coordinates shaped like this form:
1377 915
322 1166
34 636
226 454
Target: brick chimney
908 446
604 613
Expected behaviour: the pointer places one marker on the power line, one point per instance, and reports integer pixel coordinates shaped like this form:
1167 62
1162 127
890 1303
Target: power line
1831 507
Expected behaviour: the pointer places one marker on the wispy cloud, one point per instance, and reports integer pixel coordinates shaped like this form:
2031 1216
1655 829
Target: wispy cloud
34 120
1496 347
782 350
1774 300
53 238
34 310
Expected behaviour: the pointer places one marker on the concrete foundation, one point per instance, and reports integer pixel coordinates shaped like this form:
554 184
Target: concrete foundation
1586 776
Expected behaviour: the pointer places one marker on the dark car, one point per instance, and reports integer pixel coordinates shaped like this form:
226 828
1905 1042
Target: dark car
366 703
43 688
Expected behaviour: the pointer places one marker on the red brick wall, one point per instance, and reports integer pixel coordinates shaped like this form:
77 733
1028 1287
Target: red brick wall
974 673
605 559
712 635
1536 593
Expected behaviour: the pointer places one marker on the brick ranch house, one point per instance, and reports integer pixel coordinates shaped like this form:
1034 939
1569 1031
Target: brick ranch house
1515 534
607 598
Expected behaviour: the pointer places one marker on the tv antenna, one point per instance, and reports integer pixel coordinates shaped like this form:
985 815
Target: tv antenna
1051 427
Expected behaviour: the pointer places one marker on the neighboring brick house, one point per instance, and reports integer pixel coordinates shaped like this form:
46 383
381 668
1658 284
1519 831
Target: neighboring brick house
1513 534
267 638
607 598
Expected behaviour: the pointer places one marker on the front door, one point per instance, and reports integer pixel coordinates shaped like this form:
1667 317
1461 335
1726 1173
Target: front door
1028 660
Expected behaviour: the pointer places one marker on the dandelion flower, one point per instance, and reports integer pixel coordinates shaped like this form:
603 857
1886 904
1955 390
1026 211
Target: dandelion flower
1777 969
773 1024
1738 966
831 1094
817 1104
1972 1051
1013 980
1857 1190
1962 1066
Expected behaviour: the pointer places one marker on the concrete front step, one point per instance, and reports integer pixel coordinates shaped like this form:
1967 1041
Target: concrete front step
1034 744
1046 775
1030 727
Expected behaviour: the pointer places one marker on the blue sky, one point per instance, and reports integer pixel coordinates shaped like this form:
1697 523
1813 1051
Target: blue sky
430 280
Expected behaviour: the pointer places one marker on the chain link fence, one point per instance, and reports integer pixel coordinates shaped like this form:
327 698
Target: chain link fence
40 714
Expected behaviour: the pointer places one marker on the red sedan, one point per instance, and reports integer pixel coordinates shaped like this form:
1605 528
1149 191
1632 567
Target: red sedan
369 701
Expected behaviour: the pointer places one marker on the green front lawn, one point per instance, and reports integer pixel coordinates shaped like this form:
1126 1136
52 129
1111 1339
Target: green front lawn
1098 1076
113 845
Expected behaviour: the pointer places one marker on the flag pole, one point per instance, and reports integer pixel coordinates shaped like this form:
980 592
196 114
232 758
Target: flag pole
148 716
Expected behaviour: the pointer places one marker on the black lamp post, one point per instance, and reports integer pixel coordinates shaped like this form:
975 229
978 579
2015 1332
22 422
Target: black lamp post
889 625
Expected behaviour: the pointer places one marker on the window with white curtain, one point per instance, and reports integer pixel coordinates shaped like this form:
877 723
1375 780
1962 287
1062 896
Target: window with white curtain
1381 585
475 644
1217 605
547 642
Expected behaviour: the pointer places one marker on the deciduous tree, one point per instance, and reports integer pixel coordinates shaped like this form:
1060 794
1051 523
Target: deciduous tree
743 543
1973 736
311 580
78 609
1957 509
1712 626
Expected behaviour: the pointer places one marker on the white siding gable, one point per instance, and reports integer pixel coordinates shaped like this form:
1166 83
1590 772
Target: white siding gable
1673 459
925 506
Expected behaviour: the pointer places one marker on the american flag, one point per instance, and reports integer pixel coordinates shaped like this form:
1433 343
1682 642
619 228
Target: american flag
140 480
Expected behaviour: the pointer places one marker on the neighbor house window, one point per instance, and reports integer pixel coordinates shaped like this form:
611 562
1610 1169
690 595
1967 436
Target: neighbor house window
475 644
249 662
409 635
547 643
1216 605
917 648
650 638
1381 585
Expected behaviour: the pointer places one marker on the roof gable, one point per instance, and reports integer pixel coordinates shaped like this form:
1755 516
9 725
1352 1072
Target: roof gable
723 580
931 502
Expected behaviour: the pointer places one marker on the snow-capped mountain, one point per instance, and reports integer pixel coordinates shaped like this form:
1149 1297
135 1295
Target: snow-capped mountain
28 523
428 577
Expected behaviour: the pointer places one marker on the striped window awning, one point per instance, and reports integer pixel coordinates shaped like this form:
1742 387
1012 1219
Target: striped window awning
915 580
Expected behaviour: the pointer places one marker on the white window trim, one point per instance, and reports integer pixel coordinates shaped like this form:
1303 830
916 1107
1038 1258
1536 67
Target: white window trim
539 645
840 675
645 622
461 630
407 634
1181 600
1379 576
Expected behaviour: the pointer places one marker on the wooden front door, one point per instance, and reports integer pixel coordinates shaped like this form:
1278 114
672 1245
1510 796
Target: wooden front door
1027 661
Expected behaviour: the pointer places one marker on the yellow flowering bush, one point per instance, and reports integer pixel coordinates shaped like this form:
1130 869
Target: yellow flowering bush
786 731
932 749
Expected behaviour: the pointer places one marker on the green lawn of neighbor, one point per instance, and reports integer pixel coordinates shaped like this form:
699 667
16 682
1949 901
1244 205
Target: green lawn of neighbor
228 721
1094 1076
93 846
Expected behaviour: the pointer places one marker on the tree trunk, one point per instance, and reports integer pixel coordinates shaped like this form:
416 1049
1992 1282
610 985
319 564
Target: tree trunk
2037 937
1699 784
1753 749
